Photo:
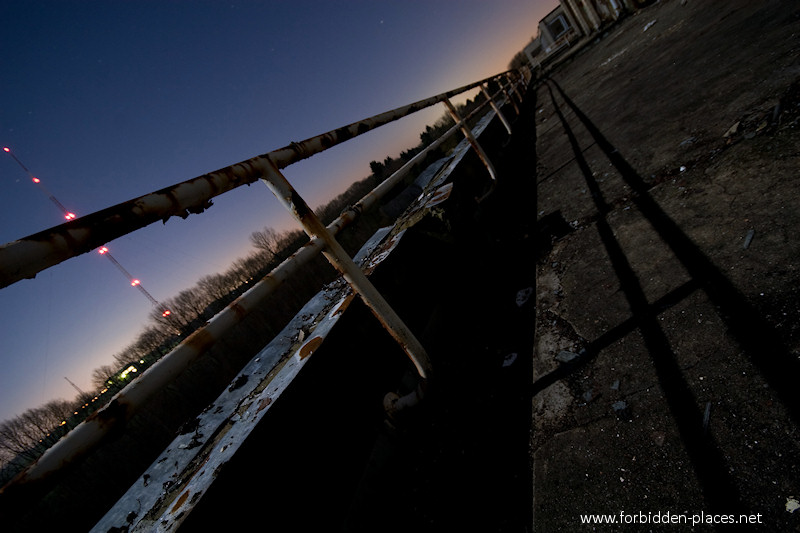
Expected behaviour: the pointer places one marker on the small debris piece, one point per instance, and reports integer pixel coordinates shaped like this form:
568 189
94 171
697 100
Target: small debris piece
588 395
776 113
748 239
706 417
509 359
683 168
792 504
733 130
622 410
687 142
649 25
659 437
523 296
565 356
615 385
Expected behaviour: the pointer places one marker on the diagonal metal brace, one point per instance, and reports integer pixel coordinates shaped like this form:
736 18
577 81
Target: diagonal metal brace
497 110
474 143
351 272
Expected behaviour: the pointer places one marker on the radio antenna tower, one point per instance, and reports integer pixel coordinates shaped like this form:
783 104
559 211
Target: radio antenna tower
69 215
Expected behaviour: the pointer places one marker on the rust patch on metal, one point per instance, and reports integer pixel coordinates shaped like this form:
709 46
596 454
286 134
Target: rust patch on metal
180 502
343 134
201 340
309 347
238 309
111 417
391 242
263 404
343 305
327 140
441 194
300 205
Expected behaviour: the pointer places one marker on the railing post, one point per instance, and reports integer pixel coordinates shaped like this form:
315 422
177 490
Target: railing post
351 272
496 108
510 97
477 147
515 86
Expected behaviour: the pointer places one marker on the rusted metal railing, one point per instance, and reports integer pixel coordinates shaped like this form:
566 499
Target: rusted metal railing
26 257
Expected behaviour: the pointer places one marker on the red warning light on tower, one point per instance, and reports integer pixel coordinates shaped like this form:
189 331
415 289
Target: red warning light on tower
69 215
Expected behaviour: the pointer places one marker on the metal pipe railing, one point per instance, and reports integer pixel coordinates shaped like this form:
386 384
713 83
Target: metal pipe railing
30 255
510 96
198 192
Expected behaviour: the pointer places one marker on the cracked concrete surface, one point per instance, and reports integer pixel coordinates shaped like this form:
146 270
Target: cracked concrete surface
678 400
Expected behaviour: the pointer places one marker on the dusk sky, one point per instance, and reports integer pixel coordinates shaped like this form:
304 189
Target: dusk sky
107 101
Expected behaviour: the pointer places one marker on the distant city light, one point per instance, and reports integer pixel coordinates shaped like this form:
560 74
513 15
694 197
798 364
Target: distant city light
6 148
102 250
69 216
135 282
127 371
35 179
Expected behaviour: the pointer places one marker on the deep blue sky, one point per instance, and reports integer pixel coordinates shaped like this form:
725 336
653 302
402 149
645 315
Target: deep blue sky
106 101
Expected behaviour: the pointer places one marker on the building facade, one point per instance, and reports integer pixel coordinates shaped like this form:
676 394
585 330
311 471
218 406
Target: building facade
571 21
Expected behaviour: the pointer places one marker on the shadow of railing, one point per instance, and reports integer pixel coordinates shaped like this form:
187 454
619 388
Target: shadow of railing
709 464
758 339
